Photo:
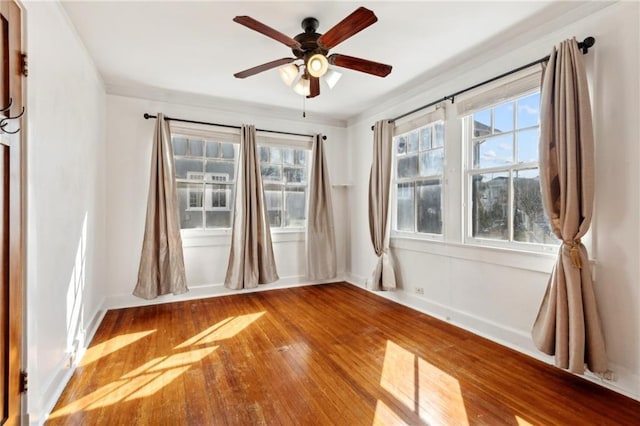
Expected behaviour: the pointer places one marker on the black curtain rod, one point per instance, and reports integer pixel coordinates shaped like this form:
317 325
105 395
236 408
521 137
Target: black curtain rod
584 45
148 116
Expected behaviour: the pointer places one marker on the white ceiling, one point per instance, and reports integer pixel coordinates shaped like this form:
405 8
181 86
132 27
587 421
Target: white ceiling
195 47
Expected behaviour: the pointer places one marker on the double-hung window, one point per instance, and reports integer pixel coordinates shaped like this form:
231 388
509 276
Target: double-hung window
419 176
285 176
504 203
205 168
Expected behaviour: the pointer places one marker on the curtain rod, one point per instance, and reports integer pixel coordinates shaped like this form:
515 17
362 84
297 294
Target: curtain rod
229 126
584 45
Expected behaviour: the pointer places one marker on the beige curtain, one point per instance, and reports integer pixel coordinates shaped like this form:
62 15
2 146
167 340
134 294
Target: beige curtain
161 268
251 261
384 277
567 324
321 240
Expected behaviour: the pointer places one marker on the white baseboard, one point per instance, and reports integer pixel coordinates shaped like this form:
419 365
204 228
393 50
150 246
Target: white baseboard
625 382
211 290
64 370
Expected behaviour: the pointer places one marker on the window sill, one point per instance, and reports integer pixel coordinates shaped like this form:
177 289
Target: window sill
520 259
222 237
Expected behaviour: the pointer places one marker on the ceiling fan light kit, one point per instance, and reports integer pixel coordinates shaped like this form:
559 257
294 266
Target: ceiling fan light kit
312 49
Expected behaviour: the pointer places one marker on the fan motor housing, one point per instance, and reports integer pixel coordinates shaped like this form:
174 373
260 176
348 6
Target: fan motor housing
308 39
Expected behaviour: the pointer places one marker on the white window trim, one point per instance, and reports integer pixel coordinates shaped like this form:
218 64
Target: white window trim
277 140
520 86
407 125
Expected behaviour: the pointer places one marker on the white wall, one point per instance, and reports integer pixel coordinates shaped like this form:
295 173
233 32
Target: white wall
497 293
65 244
129 138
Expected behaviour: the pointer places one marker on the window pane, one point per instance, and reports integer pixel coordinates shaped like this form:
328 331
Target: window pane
264 154
432 162
482 123
530 224
401 144
218 219
271 173
287 156
494 151
408 166
489 204
228 150
293 174
529 111
528 146
218 197
220 171
413 142
190 217
425 138
301 157
273 198
295 202
195 148
186 167
276 155
213 149
179 146
503 116
405 210
429 207
439 139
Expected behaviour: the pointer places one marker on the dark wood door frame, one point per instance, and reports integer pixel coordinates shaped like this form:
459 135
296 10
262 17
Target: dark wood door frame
11 73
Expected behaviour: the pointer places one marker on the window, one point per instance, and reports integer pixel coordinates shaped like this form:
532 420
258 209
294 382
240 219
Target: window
205 174
419 169
503 178
284 177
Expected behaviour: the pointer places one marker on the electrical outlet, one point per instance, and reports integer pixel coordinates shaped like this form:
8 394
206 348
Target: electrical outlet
420 291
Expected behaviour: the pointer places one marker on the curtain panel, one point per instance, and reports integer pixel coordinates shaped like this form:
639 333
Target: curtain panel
321 240
568 325
251 260
161 268
383 277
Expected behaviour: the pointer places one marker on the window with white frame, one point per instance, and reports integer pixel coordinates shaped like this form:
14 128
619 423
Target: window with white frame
504 203
205 168
285 180
418 179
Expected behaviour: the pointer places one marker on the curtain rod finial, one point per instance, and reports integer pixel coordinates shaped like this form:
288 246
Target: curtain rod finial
586 44
146 116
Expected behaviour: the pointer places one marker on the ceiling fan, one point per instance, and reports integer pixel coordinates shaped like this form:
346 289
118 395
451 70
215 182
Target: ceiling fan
312 48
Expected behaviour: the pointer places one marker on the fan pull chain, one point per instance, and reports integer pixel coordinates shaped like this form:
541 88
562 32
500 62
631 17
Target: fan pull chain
304 107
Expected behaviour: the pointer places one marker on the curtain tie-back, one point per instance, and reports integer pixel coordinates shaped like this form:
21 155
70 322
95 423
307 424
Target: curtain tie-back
574 252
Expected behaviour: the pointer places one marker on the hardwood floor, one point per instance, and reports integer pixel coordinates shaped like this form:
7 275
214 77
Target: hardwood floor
320 355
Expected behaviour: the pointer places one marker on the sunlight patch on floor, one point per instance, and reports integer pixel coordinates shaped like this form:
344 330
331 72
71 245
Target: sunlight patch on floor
95 352
422 387
142 382
522 422
222 330
386 416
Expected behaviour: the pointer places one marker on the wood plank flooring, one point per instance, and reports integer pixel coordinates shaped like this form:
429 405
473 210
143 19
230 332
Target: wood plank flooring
320 355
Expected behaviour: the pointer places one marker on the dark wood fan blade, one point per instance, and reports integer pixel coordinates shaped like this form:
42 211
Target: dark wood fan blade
314 87
249 22
263 67
352 24
358 64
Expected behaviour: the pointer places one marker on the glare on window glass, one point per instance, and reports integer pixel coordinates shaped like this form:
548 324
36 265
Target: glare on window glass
527 145
405 210
503 117
490 204
529 111
493 151
530 224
